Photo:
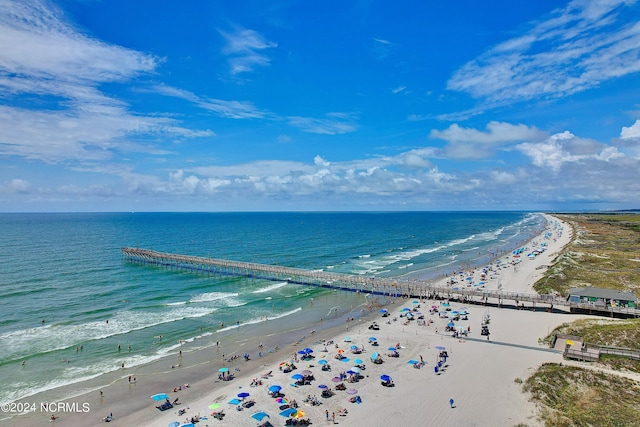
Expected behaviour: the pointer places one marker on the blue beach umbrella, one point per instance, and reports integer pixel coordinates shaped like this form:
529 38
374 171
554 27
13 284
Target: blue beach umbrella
354 347
384 310
174 424
297 376
439 347
223 370
358 361
385 377
373 339
344 359
234 402
356 370
412 362
322 386
275 388
308 350
243 395
160 396
322 362
392 349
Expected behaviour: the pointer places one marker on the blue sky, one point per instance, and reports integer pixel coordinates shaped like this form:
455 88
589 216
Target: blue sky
335 105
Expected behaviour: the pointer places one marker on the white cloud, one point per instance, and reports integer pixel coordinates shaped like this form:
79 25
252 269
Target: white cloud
16 185
333 124
631 132
564 148
245 50
576 48
44 56
469 143
230 109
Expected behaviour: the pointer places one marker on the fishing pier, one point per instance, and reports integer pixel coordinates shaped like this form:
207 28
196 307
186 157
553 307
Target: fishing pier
383 286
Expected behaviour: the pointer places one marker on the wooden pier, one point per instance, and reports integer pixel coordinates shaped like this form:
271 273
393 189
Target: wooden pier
391 287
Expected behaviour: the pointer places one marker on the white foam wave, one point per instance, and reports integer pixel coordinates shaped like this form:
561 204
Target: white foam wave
212 296
270 287
260 319
25 342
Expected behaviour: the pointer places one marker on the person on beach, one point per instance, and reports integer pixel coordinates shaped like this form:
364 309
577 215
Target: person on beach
451 402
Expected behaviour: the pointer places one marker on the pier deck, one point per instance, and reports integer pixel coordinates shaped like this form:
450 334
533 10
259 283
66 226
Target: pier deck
393 287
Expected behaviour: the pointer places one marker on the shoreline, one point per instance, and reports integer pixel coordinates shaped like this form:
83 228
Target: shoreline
133 406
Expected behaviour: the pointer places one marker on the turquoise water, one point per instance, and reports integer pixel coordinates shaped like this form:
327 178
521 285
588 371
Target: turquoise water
68 300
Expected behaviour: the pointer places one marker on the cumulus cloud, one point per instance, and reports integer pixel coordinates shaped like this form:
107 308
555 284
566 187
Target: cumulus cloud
469 143
631 132
577 47
564 148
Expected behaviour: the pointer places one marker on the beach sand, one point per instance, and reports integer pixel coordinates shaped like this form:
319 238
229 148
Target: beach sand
481 376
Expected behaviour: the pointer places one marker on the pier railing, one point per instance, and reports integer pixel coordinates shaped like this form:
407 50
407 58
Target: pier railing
388 286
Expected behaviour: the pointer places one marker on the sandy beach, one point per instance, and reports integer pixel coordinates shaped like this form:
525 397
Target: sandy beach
481 375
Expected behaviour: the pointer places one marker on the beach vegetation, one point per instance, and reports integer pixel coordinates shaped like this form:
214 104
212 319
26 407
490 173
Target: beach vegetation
603 253
576 396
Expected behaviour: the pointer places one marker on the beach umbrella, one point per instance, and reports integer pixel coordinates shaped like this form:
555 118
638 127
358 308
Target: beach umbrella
188 425
223 370
297 376
322 362
385 377
259 416
412 362
358 361
373 339
415 301
352 391
405 309
322 386
392 349
374 355
234 402
344 359
356 369
336 379
214 406
160 396
384 310
306 372
308 350
439 347
354 347
340 351
174 424
350 372
298 414
275 388
302 352
347 339
451 324
243 395
282 400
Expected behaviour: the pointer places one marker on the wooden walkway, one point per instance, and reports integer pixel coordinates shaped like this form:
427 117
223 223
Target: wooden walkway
392 287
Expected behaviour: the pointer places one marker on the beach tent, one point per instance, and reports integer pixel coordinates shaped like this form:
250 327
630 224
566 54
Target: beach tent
259 416
160 396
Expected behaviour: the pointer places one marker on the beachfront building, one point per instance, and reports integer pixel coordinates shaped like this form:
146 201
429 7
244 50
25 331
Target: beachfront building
601 298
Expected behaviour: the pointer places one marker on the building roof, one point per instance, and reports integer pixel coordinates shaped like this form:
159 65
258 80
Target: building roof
603 293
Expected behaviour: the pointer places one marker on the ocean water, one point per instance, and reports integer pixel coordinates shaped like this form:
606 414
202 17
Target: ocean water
68 300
